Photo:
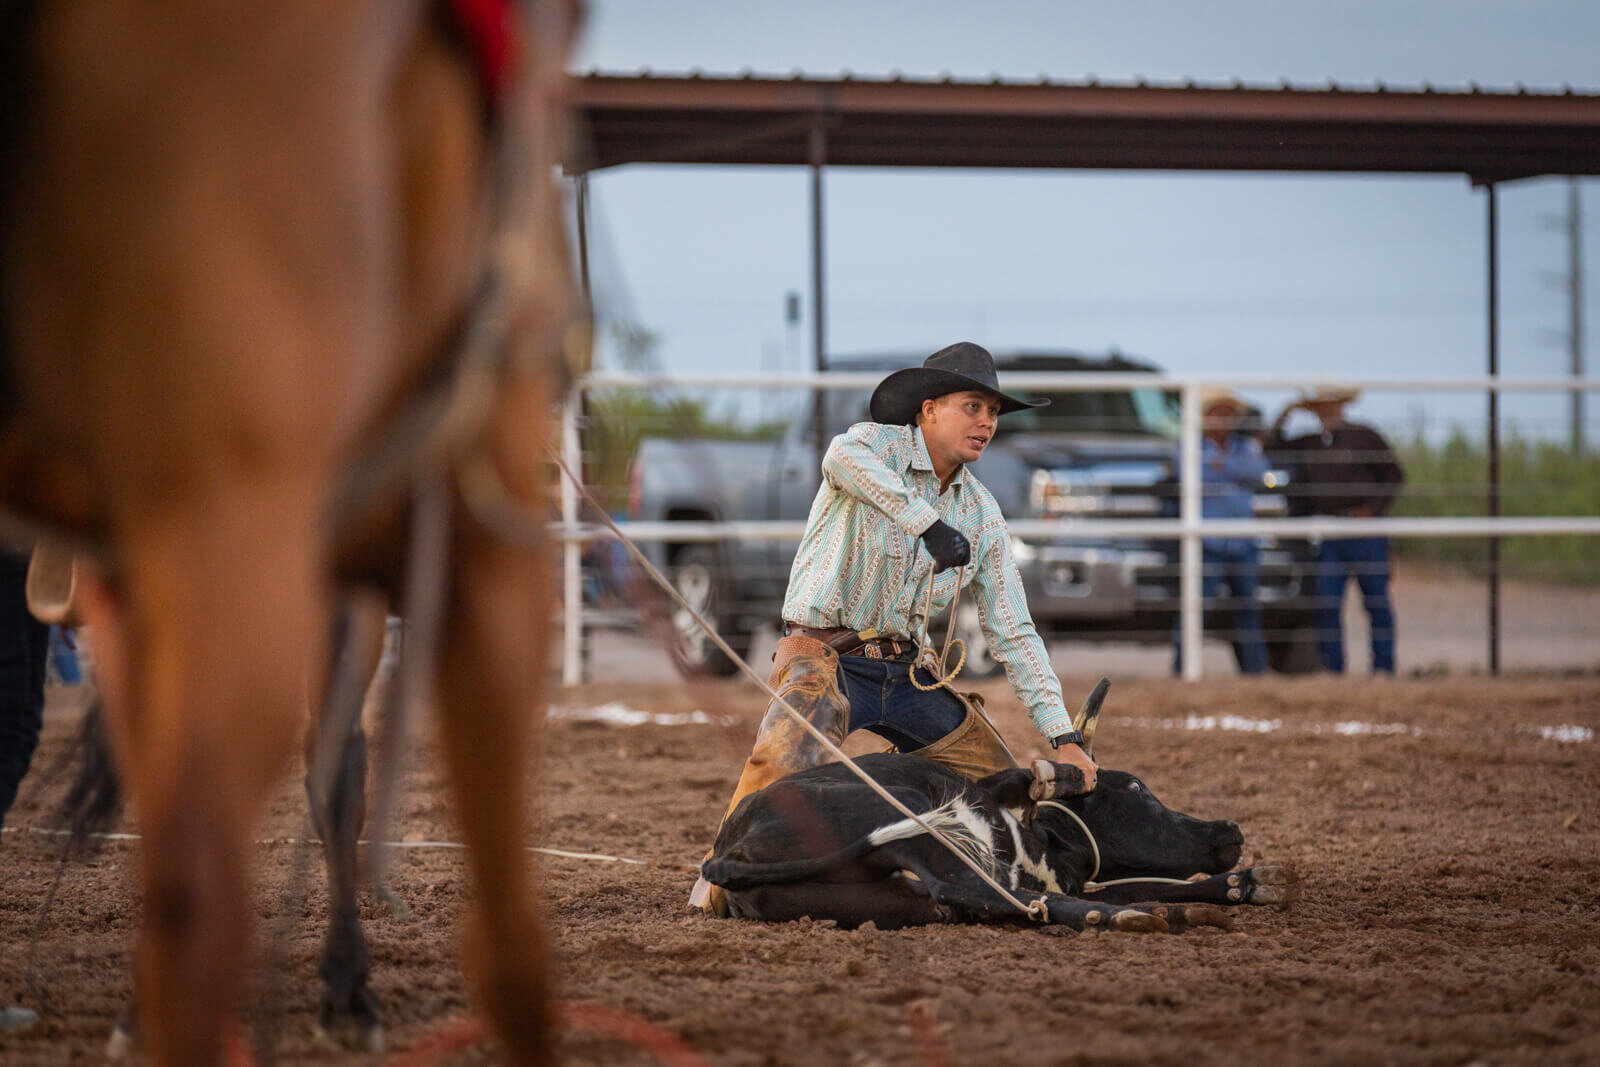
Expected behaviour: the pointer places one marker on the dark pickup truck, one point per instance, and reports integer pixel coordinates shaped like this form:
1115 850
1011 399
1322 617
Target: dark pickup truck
1089 454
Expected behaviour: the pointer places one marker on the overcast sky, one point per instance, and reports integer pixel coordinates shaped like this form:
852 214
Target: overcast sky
1204 274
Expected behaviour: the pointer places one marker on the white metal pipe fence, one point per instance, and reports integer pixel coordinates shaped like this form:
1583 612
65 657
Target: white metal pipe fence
1189 528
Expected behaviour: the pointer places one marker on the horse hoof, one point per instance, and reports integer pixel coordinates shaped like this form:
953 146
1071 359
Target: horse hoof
1138 922
351 1035
120 1045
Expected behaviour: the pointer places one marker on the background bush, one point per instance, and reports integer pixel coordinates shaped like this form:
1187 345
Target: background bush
1536 478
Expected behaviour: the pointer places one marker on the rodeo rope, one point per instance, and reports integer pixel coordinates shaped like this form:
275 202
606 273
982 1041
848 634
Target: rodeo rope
936 668
492 505
1089 884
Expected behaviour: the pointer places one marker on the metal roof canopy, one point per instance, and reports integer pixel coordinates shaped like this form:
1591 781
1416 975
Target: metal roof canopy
1487 135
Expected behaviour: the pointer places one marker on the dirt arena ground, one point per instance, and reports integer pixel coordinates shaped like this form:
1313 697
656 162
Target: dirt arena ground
1446 830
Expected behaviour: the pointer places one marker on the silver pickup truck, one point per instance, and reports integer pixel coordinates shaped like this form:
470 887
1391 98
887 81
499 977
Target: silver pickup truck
1103 454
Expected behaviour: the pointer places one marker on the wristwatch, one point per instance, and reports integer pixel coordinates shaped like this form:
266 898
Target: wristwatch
1071 737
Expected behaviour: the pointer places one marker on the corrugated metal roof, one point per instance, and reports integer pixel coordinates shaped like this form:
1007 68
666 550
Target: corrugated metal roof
1090 81
1488 133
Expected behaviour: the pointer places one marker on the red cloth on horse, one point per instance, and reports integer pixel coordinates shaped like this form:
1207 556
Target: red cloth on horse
489 30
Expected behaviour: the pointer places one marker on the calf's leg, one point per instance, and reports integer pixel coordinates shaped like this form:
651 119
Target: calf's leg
1267 884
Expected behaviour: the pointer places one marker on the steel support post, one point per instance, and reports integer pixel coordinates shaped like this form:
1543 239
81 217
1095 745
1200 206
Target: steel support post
571 551
1493 501
1190 609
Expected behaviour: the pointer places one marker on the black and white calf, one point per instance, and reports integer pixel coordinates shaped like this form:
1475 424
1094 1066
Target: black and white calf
822 844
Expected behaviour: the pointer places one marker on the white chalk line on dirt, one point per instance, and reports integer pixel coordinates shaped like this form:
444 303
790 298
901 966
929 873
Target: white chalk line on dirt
1564 733
597 857
618 714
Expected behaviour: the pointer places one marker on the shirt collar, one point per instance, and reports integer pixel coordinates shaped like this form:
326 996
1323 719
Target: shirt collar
921 461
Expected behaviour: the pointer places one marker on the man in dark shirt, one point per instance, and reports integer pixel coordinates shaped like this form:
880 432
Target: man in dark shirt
1346 469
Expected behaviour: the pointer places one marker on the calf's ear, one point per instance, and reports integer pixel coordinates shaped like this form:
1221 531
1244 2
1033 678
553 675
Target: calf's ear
1010 787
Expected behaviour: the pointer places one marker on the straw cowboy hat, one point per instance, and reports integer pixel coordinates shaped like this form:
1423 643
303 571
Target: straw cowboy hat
1327 394
962 366
1218 396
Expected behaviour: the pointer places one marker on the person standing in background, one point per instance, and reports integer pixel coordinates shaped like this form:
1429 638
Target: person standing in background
1347 470
1231 468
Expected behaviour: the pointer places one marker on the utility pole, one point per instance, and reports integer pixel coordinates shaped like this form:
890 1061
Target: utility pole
1575 301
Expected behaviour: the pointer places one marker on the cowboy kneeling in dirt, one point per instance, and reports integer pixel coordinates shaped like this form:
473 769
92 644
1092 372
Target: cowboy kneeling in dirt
860 587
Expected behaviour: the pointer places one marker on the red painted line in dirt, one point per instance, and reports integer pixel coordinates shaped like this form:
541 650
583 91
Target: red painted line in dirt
925 1032
586 1016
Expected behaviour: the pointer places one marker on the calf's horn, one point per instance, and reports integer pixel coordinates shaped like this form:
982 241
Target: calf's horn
1089 715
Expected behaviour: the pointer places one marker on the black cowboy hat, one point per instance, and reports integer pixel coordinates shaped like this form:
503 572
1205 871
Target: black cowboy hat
956 369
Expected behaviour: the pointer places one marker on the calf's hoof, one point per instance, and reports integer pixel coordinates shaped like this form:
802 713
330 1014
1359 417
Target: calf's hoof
711 899
1133 921
1270 884
1181 917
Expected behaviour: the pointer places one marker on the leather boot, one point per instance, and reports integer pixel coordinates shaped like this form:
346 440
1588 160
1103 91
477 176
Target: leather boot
974 749
806 675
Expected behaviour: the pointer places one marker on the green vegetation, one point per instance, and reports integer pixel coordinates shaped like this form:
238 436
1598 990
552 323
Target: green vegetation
1536 478
617 419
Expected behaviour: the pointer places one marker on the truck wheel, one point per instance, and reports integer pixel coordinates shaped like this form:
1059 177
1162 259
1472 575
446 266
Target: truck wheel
697 575
980 660
1294 648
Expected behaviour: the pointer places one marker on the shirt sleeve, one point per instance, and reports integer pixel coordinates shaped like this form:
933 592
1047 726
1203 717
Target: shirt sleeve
1013 639
1245 463
861 462
1385 472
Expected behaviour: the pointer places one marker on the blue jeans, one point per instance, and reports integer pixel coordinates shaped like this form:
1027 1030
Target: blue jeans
883 700
1241 572
1366 559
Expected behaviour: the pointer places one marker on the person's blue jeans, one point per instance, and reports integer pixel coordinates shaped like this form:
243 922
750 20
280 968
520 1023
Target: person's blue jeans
883 700
1366 559
64 657
1240 571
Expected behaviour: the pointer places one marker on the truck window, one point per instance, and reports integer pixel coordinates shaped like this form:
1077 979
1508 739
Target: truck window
1139 411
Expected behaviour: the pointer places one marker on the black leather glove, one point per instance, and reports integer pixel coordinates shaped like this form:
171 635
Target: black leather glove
947 545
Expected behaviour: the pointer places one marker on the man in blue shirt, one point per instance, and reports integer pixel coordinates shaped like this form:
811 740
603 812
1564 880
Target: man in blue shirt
1231 468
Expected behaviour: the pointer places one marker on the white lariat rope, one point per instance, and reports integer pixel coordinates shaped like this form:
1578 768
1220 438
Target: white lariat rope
934 667
492 505
1089 884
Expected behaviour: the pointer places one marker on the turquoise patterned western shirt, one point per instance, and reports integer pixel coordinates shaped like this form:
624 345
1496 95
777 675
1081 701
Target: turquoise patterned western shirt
861 564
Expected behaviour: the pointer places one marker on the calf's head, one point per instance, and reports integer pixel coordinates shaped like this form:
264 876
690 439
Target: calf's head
1137 835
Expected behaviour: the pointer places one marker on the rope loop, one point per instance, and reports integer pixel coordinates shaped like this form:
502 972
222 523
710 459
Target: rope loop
933 667
936 665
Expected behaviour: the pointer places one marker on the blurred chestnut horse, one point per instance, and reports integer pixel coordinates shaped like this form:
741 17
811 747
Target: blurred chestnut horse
254 258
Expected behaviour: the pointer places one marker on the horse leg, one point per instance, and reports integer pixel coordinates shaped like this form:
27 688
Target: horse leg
204 710
491 671
336 775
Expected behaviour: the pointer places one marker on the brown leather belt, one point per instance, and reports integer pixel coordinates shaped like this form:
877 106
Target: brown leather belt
867 643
